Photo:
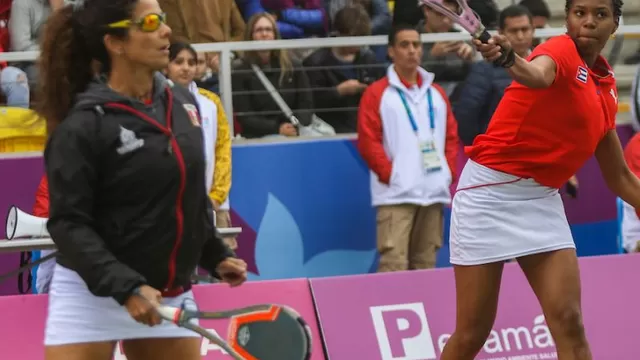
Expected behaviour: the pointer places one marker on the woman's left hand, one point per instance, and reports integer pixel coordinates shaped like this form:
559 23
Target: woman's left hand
232 271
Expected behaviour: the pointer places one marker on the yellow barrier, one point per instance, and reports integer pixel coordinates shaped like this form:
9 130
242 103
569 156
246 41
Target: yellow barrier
624 107
21 130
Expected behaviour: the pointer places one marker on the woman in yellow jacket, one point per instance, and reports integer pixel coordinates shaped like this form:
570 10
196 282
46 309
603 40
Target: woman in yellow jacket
215 127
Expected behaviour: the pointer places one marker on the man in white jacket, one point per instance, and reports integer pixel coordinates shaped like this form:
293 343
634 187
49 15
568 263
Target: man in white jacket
407 135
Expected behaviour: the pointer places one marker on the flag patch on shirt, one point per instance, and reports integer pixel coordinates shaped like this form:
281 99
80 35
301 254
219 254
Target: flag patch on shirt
583 74
192 111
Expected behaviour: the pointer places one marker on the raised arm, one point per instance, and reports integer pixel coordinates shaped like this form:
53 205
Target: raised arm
539 71
71 159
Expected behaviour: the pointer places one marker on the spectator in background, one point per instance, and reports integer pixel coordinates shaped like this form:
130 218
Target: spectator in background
256 110
540 15
14 86
207 72
340 75
449 61
25 28
406 12
215 126
295 18
407 136
483 89
5 11
378 11
488 12
203 21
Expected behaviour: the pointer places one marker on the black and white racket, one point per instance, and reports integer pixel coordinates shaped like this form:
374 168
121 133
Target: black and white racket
469 21
259 332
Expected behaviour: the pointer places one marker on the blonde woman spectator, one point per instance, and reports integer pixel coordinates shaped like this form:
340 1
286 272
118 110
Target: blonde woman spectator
256 110
182 71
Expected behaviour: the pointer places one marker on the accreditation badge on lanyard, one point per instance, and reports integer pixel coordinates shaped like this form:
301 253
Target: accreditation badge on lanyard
430 159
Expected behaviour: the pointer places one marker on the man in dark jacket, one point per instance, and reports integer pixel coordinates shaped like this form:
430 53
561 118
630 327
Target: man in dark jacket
340 75
485 84
449 61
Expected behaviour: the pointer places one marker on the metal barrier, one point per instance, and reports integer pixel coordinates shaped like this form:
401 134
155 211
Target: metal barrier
227 48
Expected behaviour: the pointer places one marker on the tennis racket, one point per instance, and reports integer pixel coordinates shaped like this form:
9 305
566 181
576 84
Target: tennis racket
469 20
259 332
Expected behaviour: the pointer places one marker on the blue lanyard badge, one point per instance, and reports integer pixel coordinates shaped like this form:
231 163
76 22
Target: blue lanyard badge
430 158
412 120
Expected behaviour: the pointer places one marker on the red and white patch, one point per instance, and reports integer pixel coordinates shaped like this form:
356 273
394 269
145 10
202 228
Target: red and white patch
192 111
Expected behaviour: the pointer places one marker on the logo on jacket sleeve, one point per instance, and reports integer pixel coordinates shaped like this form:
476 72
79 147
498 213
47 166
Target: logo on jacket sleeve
192 111
129 141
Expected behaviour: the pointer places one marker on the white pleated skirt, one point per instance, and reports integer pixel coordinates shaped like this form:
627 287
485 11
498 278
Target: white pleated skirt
77 316
44 272
497 217
630 227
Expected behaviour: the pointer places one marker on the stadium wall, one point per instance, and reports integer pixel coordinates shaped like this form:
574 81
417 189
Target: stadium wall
304 207
395 316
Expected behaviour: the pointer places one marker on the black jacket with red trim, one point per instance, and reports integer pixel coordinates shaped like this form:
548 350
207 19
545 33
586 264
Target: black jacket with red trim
128 203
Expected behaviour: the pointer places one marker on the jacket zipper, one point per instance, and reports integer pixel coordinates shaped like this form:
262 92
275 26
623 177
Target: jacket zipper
172 149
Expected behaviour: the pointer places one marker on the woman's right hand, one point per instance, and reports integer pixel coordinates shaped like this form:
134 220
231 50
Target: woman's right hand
142 305
497 45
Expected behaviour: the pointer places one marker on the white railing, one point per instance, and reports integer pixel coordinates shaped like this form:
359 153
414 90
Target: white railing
226 48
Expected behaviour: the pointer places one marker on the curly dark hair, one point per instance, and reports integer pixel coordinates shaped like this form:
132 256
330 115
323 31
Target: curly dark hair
71 49
617 8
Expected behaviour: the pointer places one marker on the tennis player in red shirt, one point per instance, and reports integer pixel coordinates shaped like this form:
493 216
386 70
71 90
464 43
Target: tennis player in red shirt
559 111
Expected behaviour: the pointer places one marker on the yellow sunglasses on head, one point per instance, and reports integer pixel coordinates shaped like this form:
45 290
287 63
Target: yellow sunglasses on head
148 23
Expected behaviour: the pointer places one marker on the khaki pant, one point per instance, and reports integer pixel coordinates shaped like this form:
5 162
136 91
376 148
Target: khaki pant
223 220
409 236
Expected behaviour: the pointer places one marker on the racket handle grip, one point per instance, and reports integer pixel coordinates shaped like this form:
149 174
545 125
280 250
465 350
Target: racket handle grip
506 57
169 313
484 37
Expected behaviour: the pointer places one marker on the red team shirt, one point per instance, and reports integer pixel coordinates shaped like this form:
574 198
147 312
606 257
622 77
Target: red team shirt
41 207
548 134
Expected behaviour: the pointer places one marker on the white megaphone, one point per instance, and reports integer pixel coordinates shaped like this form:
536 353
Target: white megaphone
20 224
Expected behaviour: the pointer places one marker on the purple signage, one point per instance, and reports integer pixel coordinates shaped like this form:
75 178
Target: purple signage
18 183
22 326
410 315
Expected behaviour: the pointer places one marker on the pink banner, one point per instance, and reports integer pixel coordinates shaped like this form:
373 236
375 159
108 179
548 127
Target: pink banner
23 317
409 316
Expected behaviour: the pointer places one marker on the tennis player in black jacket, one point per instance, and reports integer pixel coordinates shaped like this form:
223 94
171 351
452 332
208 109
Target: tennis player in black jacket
128 206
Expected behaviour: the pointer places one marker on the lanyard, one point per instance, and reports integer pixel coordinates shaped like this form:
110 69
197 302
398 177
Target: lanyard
414 125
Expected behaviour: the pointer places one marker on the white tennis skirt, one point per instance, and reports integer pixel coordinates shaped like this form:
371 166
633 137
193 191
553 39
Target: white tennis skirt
44 272
498 217
77 316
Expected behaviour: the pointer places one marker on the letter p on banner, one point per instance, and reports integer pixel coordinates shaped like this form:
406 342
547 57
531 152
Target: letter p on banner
403 332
